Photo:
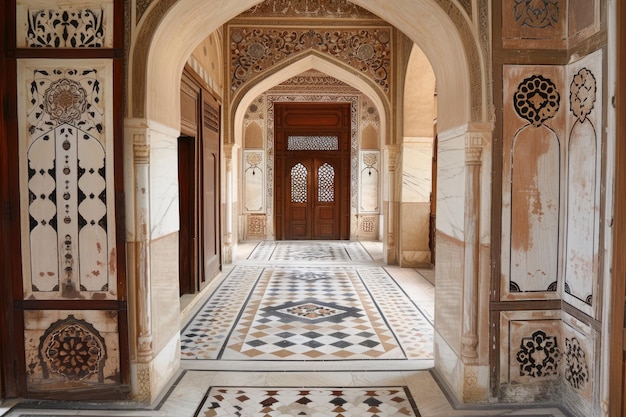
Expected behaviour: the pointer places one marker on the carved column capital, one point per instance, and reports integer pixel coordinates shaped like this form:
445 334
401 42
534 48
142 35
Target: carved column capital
474 149
473 155
141 153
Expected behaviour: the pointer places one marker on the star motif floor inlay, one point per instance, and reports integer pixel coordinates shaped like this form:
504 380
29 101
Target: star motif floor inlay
302 312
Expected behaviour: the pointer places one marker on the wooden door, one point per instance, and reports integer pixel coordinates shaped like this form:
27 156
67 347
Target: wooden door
210 205
199 184
312 165
312 207
187 237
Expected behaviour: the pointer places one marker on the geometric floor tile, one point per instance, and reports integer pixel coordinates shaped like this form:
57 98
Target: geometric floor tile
314 402
299 312
310 251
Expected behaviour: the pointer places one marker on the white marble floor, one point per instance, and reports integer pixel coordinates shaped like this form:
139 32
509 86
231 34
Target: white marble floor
188 392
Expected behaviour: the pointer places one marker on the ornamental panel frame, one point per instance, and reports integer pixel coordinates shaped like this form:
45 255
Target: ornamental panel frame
55 24
66 162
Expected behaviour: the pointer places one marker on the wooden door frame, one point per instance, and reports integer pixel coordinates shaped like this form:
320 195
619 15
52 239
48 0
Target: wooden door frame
617 373
343 130
13 383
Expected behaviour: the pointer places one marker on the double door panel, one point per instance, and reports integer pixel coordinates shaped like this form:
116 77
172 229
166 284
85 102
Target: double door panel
312 205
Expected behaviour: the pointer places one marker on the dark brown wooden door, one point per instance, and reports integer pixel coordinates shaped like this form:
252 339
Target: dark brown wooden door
187 238
199 156
312 193
211 230
312 207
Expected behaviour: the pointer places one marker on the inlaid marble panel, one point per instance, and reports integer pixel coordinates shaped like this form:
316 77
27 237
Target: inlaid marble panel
584 144
369 181
530 347
59 24
532 181
254 180
77 347
534 23
579 361
66 167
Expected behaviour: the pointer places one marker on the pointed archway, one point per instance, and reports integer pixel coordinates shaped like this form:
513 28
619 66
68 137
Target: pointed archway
457 52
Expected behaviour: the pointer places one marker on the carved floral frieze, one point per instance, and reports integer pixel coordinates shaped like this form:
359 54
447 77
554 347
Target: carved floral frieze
255 50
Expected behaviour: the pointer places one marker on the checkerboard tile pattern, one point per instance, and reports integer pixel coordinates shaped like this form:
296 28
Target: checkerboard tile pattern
282 320
305 313
314 402
310 251
207 332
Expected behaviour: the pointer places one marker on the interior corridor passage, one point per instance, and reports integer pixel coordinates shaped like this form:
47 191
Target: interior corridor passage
318 328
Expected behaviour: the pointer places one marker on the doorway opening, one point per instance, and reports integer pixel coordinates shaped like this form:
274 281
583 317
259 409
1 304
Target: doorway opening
313 171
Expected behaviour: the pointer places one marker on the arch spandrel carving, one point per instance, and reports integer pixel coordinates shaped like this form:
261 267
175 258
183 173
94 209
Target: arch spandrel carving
159 23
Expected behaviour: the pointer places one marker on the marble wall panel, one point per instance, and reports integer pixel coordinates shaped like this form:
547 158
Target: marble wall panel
59 24
79 348
532 181
417 156
414 234
531 354
449 290
164 213
369 181
66 177
584 170
584 18
579 364
534 24
254 179
366 226
164 287
255 227
451 184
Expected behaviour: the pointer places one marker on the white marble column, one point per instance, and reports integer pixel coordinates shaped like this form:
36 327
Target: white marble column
391 205
228 204
473 153
141 161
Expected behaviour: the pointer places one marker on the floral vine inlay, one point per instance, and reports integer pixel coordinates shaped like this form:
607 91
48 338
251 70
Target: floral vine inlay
66 28
576 369
583 93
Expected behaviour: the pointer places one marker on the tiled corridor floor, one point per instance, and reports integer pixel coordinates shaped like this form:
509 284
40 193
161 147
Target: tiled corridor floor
304 329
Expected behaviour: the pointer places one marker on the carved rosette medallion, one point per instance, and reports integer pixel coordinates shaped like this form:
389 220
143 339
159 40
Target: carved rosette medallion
72 349
536 100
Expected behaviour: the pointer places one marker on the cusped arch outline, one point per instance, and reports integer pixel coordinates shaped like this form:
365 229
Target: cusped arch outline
311 61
